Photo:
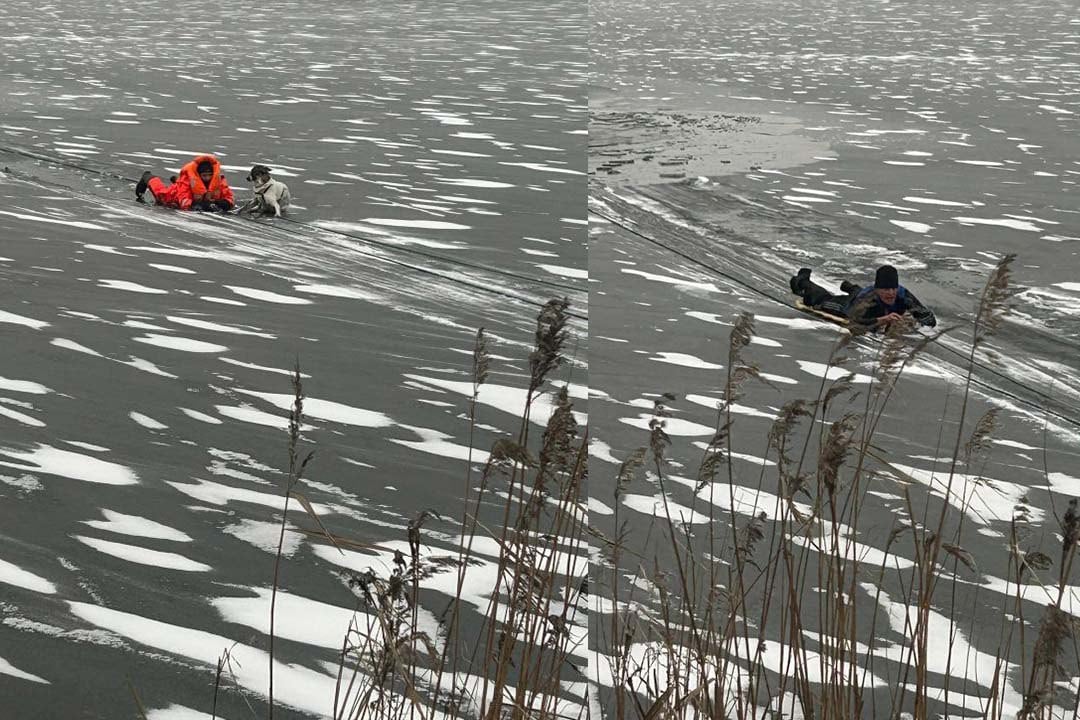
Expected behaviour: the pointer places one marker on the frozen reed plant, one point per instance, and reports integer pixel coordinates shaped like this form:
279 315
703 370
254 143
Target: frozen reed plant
516 657
780 607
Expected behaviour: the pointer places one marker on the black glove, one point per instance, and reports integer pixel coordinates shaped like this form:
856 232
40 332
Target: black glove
925 317
223 205
202 205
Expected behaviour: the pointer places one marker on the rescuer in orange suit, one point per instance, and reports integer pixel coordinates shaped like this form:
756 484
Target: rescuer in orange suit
199 186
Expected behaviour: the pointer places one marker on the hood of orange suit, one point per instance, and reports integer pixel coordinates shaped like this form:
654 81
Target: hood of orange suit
192 171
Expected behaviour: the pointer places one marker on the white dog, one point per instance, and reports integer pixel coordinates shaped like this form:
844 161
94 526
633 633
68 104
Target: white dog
271 196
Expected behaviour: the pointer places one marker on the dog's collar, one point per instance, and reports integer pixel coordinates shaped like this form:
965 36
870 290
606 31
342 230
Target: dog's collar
263 187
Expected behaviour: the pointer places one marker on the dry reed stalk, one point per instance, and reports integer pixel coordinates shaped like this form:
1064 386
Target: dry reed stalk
296 470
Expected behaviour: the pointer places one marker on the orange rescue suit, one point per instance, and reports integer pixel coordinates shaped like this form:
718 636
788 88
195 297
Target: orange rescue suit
192 189
189 187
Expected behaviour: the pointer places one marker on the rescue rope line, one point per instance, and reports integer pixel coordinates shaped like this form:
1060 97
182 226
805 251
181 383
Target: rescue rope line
317 229
769 296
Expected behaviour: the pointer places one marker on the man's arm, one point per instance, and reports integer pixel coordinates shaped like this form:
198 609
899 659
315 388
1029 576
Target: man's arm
921 313
226 192
184 197
861 310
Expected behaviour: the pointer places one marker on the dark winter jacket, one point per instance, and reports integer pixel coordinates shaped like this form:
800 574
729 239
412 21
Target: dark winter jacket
865 307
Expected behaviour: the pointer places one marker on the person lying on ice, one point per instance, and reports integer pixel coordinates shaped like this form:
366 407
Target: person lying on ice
199 186
877 306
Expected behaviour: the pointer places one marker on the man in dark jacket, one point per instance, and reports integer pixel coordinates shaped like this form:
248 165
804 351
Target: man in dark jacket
877 307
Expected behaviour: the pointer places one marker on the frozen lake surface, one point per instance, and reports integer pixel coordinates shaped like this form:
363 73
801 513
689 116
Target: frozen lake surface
739 142
436 156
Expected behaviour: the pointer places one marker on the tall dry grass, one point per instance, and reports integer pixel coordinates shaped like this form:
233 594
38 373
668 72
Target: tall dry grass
522 656
767 609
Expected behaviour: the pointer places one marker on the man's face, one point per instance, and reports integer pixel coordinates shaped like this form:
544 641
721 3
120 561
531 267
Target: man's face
886 295
206 176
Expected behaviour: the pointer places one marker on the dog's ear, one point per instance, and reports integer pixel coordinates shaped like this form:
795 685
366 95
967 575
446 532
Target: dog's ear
256 171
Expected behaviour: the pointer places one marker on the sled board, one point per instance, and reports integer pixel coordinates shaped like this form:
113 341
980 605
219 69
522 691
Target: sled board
823 315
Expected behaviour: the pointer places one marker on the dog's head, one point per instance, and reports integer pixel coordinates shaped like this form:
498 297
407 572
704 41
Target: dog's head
258 172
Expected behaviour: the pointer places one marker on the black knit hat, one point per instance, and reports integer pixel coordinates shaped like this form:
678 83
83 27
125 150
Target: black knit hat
204 166
886 278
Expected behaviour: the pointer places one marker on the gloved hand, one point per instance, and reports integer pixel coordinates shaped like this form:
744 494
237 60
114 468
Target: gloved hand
925 316
202 205
223 205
